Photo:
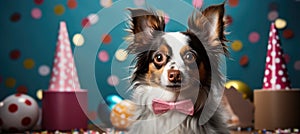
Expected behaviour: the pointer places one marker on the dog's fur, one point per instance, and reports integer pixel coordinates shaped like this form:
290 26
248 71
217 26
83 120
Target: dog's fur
195 53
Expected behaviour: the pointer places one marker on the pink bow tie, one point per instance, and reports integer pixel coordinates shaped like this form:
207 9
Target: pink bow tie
185 106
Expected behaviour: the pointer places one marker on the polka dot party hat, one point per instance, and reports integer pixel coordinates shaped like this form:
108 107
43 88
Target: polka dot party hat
276 76
64 75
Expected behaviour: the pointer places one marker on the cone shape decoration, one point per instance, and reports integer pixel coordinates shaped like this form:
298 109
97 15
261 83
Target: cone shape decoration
64 75
276 76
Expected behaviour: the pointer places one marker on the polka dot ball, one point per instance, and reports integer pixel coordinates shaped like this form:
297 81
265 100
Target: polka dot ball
20 112
121 114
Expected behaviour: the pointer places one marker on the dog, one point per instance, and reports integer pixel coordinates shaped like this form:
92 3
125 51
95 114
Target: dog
175 74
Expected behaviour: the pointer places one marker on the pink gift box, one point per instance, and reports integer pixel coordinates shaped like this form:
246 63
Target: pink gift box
64 110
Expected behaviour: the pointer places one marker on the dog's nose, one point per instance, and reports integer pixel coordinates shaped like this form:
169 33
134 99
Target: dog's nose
174 76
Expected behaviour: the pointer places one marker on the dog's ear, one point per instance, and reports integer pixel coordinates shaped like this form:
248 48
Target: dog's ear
209 25
143 25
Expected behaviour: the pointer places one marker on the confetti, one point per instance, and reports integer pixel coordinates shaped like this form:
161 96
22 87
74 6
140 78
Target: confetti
228 19
273 15
28 63
39 94
139 2
59 9
254 37
93 18
72 4
106 38
236 45
286 58
10 82
44 70
38 2
288 33
92 115
15 54
167 18
85 23
106 3
244 60
103 56
121 55
113 80
280 23
273 6
78 40
36 13
233 3
197 3
15 17
22 89
297 65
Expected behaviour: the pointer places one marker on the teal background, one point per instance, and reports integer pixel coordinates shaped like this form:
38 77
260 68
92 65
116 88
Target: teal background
36 39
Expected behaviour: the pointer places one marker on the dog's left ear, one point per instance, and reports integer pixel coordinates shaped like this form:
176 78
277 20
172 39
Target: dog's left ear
143 25
209 25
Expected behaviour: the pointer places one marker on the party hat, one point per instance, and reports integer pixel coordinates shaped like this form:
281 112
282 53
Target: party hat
64 75
276 76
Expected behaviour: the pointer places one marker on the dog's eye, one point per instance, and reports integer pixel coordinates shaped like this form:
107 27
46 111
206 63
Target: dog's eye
159 58
189 57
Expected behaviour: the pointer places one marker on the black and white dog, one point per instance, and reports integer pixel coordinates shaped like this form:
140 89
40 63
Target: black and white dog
175 73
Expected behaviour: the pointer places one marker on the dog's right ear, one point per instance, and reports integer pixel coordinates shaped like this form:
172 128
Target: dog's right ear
143 25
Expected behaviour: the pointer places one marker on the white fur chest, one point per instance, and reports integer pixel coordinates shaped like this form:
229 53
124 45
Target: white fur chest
170 122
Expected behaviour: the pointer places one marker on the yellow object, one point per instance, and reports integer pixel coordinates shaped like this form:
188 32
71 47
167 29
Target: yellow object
236 45
241 87
121 114
28 63
78 40
59 9
280 23
121 55
39 94
10 82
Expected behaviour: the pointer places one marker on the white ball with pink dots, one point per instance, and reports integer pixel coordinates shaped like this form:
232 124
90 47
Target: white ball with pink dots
18 112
